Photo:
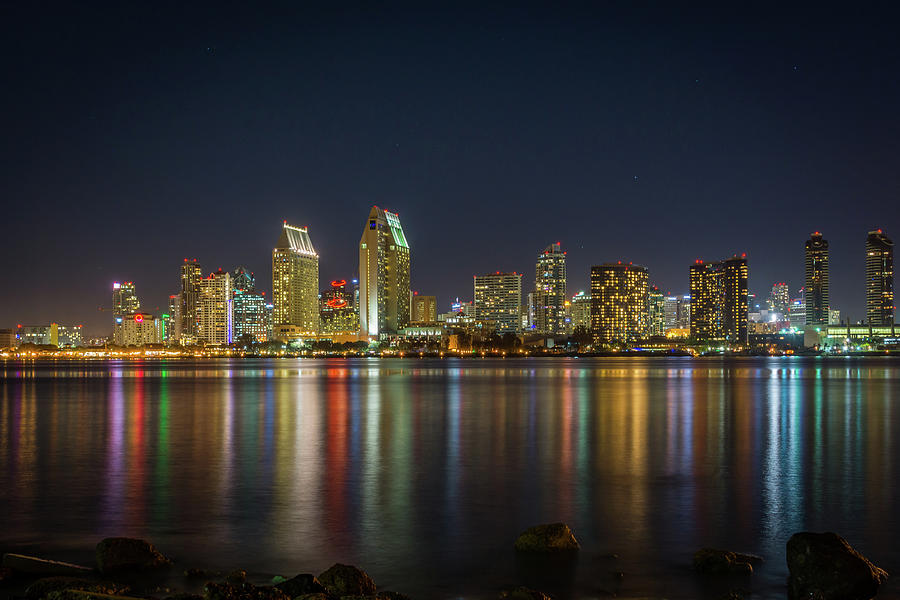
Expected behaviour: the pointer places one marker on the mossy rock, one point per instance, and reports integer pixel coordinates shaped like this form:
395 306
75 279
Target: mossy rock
552 537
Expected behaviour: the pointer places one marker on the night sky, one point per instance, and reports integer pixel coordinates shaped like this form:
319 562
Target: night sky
134 136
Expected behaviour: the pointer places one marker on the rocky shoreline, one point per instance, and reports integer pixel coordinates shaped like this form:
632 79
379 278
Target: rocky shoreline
822 566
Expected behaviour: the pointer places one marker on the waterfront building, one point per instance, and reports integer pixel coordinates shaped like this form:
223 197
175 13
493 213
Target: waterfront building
498 299
424 308
250 317
216 309
54 334
383 275
189 324
816 284
295 280
834 317
138 329
678 312
780 298
7 338
336 313
796 316
619 303
580 311
549 300
879 279
656 321
124 299
719 308
173 327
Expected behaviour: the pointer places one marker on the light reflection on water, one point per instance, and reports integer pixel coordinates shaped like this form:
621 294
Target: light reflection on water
423 471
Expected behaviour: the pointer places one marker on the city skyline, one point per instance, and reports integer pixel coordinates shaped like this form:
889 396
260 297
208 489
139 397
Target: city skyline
194 267
619 136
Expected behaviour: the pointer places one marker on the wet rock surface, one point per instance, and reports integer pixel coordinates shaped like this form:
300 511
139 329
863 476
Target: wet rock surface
305 583
824 566
551 537
124 554
347 580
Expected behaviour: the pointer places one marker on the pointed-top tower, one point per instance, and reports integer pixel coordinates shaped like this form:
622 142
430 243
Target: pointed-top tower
383 274
295 280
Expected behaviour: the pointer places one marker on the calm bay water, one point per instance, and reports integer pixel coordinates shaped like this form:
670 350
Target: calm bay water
424 471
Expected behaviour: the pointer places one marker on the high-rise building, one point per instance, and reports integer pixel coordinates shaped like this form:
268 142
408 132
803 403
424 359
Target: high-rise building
190 301
383 275
498 299
678 312
780 299
216 309
138 329
879 279
124 299
619 303
719 309
295 280
336 313
817 301
424 308
797 311
250 316
580 311
172 321
549 300
656 323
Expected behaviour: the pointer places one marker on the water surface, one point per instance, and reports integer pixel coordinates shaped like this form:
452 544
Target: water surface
424 471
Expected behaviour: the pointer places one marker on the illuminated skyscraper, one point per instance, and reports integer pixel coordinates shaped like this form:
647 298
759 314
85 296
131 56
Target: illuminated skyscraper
383 274
879 279
498 299
580 311
780 298
215 311
295 280
817 302
124 299
336 313
251 318
190 301
656 324
619 303
719 309
550 291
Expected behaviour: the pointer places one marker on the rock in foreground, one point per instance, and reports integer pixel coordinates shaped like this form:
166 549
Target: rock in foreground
122 554
523 593
825 567
300 585
553 537
42 588
347 580
711 561
242 591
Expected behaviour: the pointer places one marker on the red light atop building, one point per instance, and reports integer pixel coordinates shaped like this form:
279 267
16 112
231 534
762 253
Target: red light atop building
339 283
138 318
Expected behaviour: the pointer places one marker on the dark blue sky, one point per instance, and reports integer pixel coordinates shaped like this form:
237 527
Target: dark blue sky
134 136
